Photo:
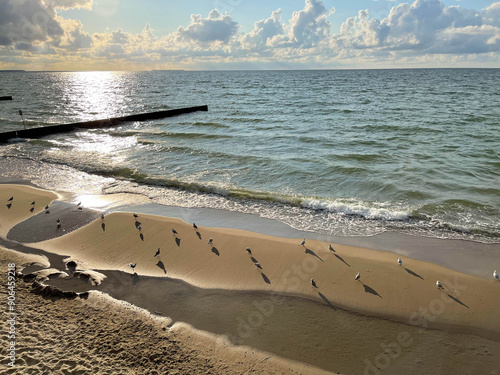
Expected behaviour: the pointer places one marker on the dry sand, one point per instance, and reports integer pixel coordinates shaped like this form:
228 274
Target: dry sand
342 325
99 335
385 289
20 208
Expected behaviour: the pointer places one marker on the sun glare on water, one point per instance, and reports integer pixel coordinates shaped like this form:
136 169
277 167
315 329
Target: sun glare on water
96 95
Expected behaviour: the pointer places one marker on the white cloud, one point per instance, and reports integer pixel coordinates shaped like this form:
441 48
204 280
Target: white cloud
426 26
216 27
425 31
491 15
264 32
309 26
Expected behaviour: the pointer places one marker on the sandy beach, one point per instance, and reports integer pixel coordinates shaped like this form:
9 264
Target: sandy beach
223 309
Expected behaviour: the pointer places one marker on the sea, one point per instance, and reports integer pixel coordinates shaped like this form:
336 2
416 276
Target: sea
334 152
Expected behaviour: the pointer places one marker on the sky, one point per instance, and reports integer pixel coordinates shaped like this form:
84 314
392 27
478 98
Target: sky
244 34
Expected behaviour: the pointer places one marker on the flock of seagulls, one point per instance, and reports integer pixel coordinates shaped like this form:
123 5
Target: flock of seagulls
210 242
46 208
358 275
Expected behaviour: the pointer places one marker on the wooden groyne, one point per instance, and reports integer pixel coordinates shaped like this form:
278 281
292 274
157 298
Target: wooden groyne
105 123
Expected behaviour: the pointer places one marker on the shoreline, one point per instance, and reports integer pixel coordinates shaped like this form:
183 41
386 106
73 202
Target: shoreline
462 255
216 287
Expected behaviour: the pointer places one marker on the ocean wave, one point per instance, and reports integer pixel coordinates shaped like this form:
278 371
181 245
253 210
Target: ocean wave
207 124
357 208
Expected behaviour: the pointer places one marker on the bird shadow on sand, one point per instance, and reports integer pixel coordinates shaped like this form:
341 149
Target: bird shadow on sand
103 226
215 251
342 259
413 273
141 236
256 262
161 266
135 279
327 301
309 251
32 209
457 300
266 279
370 290
198 234
9 205
178 241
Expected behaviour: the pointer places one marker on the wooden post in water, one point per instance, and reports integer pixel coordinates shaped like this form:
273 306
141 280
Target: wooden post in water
95 124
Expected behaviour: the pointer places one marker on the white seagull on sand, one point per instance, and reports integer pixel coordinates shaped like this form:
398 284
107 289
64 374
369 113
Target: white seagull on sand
313 283
330 248
102 216
358 275
249 251
400 262
10 199
136 216
195 226
495 275
33 203
174 232
210 241
303 242
439 285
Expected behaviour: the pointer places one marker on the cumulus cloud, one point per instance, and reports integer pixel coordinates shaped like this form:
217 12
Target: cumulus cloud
425 26
309 26
420 31
33 22
491 15
216 27
264 32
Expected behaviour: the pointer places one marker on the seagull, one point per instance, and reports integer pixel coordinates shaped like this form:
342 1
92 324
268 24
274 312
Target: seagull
33 203
257 264
10 199
303 242
157 252
313 283
132 265
495 275
58 221
136 216
47 209
357 276
210 241
400 262
139 228
102 216
438 284
195 226
79 205
174 231
330 248
249 251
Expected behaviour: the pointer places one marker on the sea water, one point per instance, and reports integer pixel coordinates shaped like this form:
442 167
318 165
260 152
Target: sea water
335 152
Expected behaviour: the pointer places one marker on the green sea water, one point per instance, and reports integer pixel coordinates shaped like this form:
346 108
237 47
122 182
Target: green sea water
335 152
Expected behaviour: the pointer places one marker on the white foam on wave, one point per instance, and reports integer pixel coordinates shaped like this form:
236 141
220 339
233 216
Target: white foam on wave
378 211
